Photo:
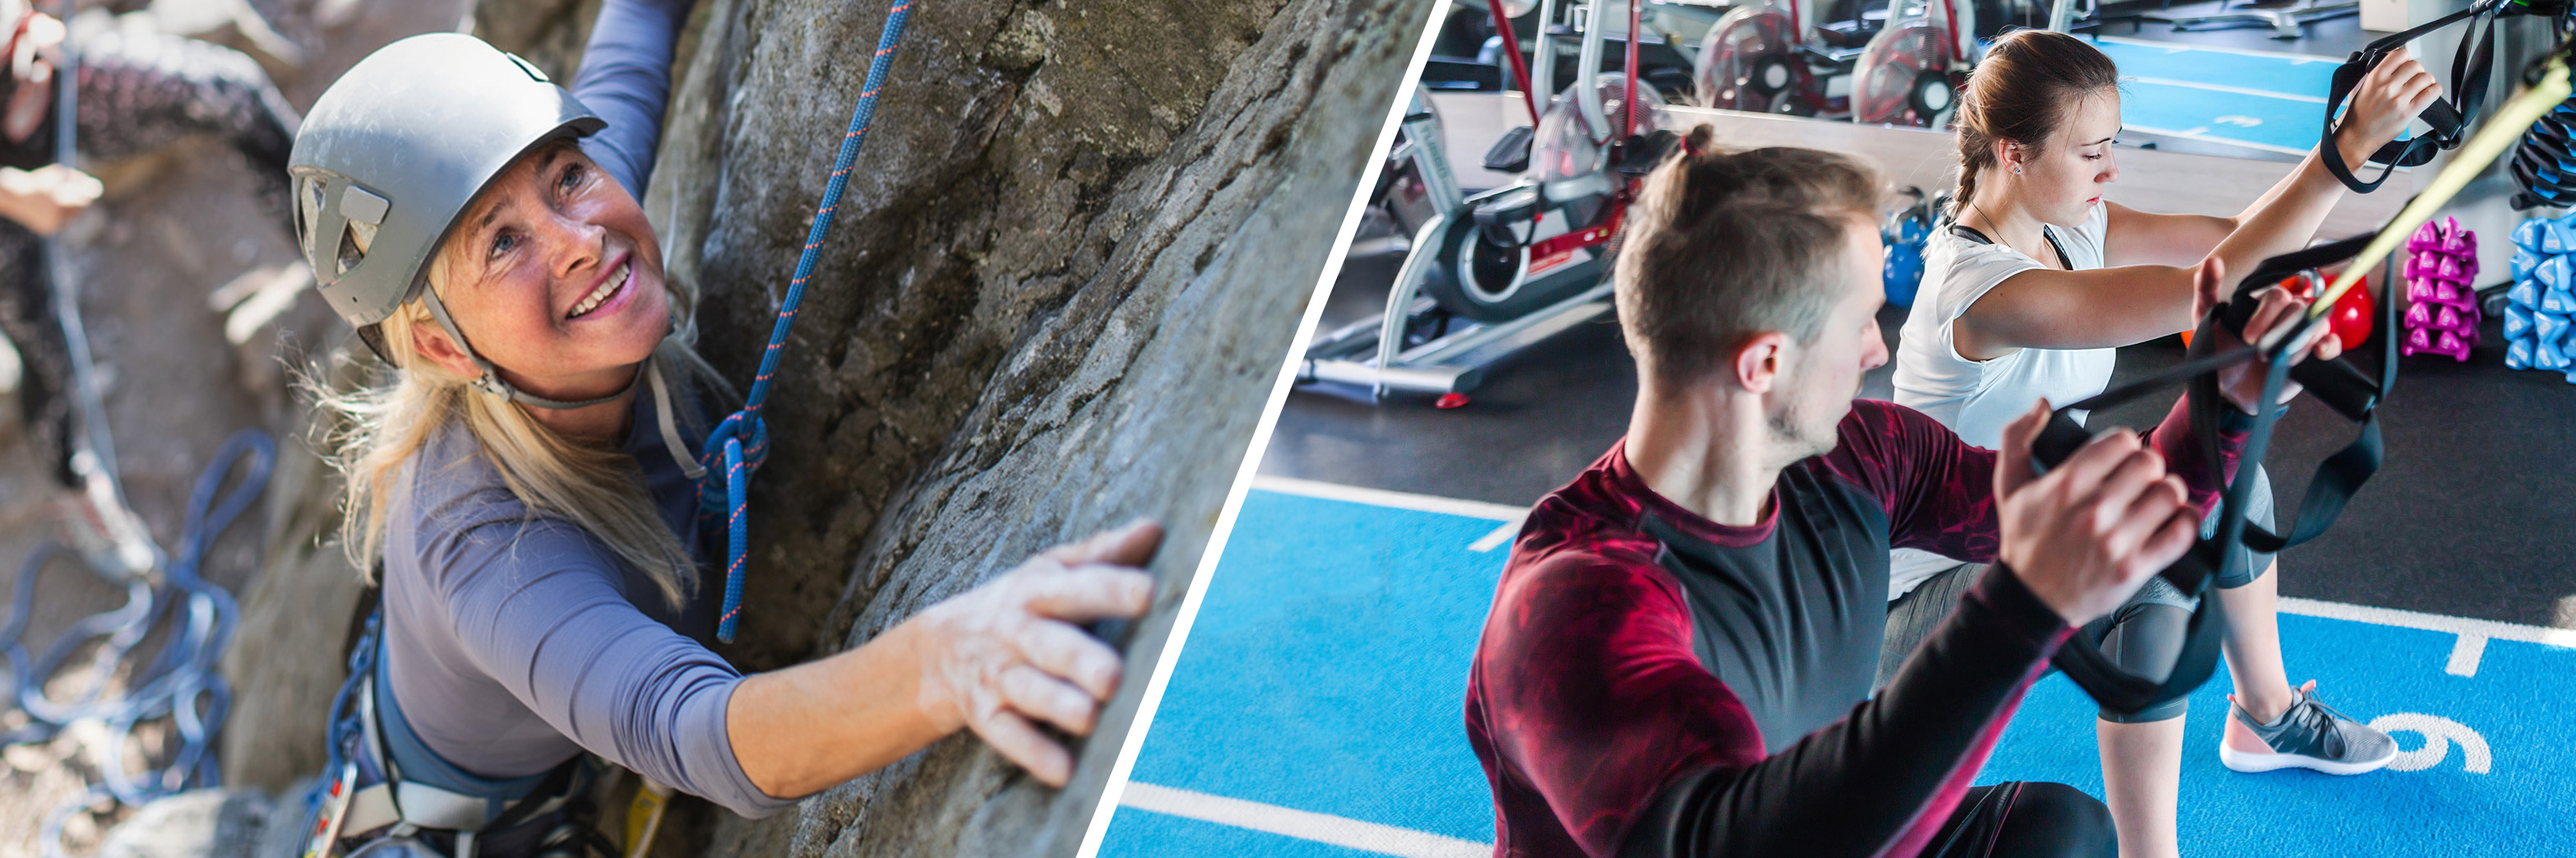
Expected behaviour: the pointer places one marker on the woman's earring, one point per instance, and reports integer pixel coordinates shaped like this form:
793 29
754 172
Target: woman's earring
2016 169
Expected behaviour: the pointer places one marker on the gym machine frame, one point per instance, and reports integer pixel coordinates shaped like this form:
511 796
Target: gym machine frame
1373 353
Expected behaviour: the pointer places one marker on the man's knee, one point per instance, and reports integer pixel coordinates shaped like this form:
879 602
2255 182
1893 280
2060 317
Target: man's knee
2052 820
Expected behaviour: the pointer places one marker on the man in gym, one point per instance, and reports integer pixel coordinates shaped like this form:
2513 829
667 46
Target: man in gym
1679 657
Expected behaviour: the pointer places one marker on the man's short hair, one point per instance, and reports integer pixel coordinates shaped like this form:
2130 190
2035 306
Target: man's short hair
1722 246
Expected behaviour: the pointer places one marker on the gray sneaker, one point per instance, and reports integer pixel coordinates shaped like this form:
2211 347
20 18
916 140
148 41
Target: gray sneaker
2310 735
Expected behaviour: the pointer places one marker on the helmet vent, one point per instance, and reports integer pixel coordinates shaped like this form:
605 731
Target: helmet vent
308 207
353 248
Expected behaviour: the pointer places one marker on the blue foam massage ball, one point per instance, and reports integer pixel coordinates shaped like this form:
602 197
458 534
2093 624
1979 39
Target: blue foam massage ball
2553 273
2547 355
2524 294
2526 235
2549 329
2557 301
2558 236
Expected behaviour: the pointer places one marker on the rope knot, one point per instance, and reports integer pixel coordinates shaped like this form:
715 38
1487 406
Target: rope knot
749 445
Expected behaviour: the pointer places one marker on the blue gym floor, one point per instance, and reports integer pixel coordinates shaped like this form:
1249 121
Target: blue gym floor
1314 710
2261 100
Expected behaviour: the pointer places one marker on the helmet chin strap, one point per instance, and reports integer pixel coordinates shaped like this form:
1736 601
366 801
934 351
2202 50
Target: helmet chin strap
491 382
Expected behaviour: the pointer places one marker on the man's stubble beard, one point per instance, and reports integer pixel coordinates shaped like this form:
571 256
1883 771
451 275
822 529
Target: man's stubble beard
1789 431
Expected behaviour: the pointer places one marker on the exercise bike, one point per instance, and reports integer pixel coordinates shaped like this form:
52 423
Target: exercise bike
1486 275
1910 73
1897 62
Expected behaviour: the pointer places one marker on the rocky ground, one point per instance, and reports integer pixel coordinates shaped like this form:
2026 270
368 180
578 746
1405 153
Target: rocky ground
173 230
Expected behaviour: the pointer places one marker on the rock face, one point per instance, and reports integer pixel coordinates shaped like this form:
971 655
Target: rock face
1073 255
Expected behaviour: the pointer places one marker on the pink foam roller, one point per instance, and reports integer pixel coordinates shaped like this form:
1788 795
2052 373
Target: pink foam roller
2422 341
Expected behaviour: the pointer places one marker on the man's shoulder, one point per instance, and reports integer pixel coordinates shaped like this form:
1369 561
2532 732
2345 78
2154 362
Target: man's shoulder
1878 434
1883 416
1577 539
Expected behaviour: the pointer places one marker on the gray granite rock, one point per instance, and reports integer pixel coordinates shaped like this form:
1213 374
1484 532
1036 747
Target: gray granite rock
1075 254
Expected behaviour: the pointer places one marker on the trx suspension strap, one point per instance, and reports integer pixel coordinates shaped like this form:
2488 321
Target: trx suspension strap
2472 67
740 443
2338 384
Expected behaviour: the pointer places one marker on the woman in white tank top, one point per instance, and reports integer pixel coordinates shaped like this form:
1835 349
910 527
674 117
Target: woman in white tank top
2026 296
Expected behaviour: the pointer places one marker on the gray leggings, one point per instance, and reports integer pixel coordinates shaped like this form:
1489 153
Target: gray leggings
2143 636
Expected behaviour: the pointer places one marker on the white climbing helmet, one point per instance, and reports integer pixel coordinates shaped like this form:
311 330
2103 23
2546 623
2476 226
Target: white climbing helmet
392 153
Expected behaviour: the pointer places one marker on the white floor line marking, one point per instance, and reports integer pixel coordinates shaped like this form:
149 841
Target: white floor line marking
2220 87
2288 605
2465 655
2175 48
1382 497
2194 135
1303 825
1500 537
2428 622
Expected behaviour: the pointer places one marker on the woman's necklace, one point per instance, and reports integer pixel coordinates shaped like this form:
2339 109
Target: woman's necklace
2006 240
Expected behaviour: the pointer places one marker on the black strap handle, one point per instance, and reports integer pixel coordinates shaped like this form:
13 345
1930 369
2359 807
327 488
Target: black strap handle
2472 67
2339 384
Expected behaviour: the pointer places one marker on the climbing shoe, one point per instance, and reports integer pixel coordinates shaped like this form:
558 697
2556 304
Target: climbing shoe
2309 735
97 524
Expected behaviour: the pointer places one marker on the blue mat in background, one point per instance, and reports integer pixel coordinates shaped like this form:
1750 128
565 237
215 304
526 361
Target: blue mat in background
2268 101
1326 667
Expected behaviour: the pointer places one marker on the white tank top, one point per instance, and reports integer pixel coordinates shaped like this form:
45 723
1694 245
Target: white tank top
1977 398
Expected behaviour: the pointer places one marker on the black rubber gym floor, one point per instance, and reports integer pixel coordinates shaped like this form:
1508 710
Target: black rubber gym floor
2471 516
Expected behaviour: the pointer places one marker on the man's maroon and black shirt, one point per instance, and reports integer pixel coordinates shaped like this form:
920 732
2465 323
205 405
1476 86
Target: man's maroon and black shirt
1653 683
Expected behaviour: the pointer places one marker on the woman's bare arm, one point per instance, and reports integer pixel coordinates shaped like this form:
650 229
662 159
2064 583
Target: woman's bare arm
2045 308
2149 294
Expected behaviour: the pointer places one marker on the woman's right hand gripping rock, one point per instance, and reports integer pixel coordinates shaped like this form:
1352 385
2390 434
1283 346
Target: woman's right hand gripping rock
997 659
1000 657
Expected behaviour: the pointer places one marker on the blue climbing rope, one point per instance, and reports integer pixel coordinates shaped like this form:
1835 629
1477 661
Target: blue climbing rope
181 683
739 444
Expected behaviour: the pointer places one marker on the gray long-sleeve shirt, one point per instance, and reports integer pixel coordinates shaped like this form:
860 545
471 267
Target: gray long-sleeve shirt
515 642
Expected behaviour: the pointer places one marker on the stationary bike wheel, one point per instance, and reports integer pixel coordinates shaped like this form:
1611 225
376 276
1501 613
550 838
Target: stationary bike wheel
1932 96
1485 282
1770 75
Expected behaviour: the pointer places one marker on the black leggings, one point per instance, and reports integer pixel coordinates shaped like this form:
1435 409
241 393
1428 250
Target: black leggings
2023 819
138 91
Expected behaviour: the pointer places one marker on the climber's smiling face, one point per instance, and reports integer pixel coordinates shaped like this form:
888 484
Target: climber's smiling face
554 275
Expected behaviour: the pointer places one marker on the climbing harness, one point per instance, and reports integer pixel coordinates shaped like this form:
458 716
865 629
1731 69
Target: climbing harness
740 444
2338 384
181 683
386 789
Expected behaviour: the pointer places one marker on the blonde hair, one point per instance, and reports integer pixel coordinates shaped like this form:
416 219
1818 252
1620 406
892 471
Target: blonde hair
382 426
